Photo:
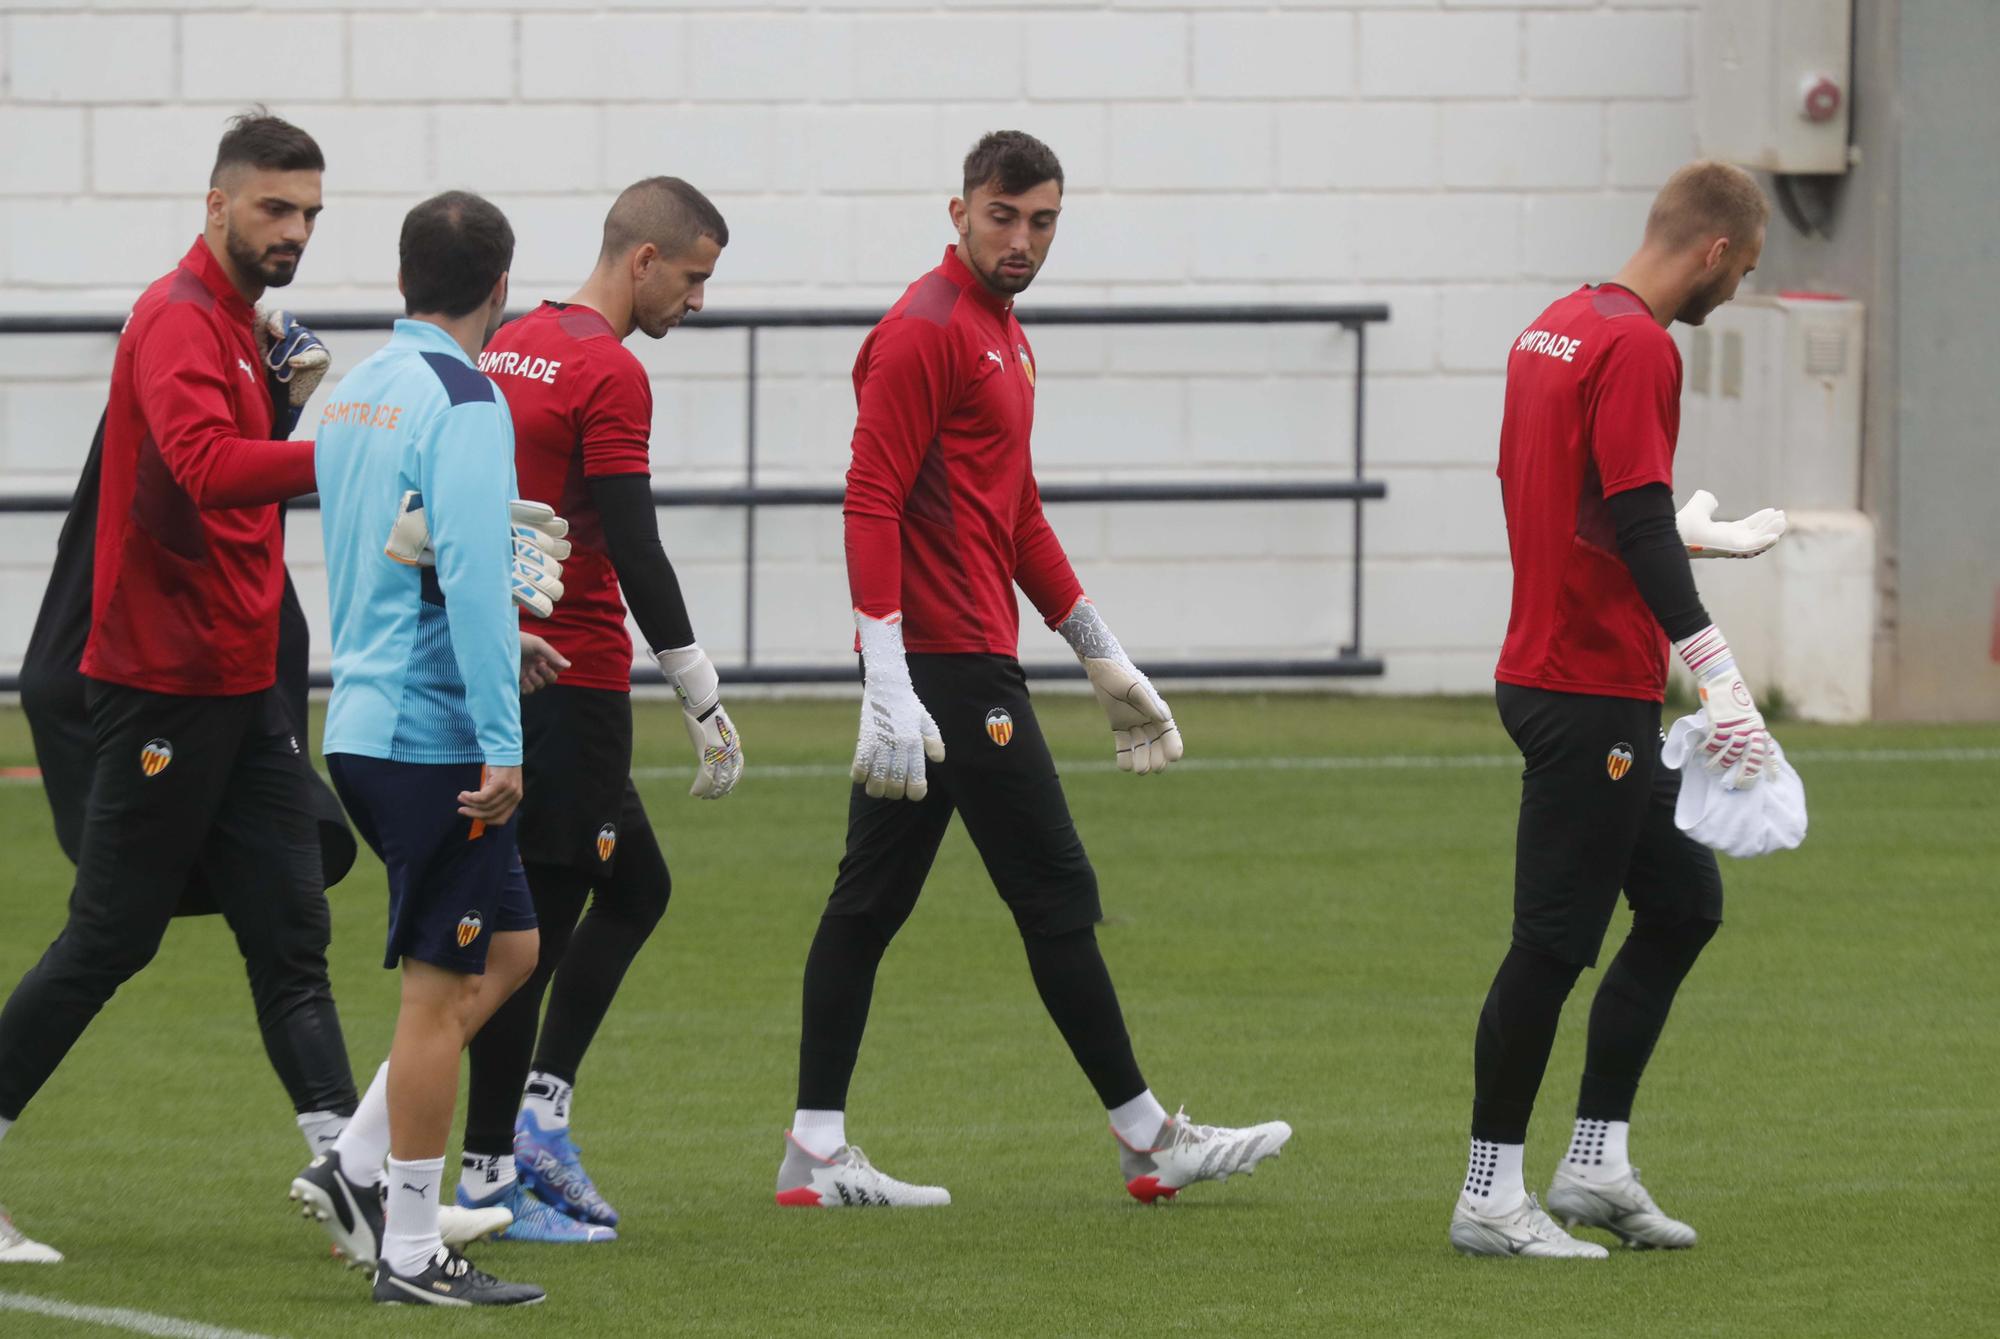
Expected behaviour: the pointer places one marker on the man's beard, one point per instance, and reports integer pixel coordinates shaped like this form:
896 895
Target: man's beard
266 268
1699 304
1002 282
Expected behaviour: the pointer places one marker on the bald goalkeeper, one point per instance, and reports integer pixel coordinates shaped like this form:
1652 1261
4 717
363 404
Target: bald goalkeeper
583 417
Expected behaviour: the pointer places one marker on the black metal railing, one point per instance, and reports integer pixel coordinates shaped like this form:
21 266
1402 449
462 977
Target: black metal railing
751 497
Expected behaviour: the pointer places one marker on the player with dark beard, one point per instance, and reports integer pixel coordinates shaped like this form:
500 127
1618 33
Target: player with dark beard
199 795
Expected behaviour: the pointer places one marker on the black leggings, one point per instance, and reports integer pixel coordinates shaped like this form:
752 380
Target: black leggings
585 958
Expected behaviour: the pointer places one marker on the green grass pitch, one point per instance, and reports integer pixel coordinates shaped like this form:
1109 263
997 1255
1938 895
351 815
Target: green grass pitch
1309 941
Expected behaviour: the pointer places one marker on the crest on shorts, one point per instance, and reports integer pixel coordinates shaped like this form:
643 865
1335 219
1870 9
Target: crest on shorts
1027 363
469 926
607 841
155 756
999 726
1619 761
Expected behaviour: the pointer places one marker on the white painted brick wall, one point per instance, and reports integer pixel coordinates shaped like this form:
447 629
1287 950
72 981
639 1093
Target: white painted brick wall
1461 160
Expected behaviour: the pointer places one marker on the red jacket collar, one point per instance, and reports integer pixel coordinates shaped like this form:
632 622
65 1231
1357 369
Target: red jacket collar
205 267
955 270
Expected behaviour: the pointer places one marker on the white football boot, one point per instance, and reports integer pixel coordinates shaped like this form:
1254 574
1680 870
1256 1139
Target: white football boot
17 1248
1622 1207
847 1179
1187 1153
1524 1231
459 1224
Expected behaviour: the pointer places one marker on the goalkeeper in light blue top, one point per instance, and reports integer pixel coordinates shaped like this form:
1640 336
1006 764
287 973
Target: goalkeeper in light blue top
426 555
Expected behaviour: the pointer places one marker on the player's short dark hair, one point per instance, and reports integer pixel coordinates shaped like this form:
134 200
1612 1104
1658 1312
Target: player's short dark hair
454 248
1010 161
269 143
1705 200
665 211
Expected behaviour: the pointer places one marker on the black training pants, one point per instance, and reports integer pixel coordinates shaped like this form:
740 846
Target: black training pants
214 785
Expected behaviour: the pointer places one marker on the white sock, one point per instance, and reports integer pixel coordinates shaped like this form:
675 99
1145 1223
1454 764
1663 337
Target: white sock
484 1174
321 1128
410 1229
1493 1177
1139 1121
1597 1150
820 1133
5 1125
364 1142
547 1099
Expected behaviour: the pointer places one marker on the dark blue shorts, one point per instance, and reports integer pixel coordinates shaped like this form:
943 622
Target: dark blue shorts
450 891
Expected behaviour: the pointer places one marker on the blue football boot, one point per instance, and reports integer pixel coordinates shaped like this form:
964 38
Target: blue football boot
534 1220
551 1166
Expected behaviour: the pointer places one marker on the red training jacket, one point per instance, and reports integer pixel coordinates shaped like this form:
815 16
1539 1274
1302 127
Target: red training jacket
190 557
942 512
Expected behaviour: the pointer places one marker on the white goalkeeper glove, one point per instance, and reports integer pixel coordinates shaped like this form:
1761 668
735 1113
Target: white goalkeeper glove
1705 537
535 579
293 355
1738 745
1147 738
718 749
897 734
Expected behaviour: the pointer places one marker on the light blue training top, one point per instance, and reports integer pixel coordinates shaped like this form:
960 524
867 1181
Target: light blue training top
426 660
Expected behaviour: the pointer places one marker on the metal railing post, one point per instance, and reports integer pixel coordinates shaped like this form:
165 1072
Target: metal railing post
750 504
1353 648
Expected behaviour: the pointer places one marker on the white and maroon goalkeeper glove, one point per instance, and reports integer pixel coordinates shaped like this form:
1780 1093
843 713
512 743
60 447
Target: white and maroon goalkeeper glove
897 733
1738 746
1141 726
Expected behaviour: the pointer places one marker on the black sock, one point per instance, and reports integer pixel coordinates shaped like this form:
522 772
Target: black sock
1517 1028
623 911
840 982
1076 989
1630 1010
502 1049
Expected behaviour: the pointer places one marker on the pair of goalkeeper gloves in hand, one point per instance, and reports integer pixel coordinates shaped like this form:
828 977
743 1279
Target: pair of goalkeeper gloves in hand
1738 747
535 580
538 548
898 735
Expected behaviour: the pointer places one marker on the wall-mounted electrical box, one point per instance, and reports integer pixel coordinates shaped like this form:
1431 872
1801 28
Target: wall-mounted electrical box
1772 80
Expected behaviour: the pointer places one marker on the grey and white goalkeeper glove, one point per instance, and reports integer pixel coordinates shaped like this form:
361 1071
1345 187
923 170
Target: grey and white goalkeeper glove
1705 537
718 749
1144 730
897 735
538 548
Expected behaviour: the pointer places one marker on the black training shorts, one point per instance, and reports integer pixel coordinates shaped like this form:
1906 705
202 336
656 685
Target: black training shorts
454 882
576 765
1597 817
998 776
